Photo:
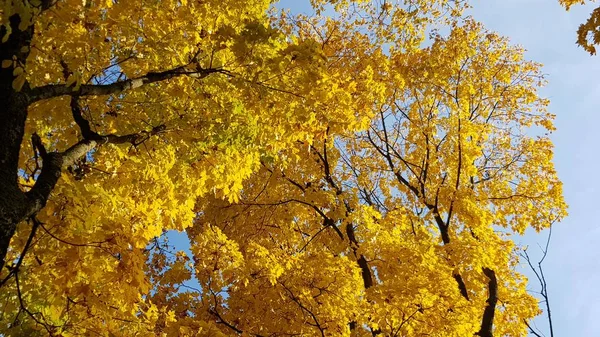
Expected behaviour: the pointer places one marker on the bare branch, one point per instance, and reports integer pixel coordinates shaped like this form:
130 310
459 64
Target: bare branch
532 330
539 274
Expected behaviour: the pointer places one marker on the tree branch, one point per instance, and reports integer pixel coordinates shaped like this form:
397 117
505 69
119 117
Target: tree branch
54 162
539 274
56 90
15 269
535 333
462 287
487 322
442 225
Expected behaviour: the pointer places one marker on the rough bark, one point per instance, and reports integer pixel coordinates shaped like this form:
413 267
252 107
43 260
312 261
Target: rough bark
13 202
487 321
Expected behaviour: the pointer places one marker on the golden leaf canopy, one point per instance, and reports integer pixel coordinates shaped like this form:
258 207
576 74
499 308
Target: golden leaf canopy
358 171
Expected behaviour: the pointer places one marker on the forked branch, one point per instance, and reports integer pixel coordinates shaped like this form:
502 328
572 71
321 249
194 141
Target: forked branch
539 274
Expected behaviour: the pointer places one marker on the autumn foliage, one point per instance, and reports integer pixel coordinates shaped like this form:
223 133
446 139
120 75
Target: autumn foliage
588 34
361 171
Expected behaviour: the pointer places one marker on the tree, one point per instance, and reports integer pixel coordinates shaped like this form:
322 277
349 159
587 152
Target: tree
335 175
588 34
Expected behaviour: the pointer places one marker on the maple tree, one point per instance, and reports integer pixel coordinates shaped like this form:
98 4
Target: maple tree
353 172
588 33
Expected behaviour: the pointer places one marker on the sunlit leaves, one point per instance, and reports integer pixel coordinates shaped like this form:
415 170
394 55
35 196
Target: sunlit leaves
333 175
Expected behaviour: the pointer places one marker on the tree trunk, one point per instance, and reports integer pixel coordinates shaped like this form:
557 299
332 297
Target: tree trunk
14 203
